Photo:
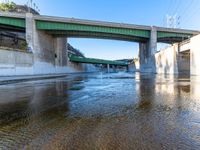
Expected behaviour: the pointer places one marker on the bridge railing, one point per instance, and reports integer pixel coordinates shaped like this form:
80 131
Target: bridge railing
184 42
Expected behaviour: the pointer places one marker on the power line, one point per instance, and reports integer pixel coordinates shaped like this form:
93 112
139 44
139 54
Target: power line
176 5
184 8
193 14
32 5
179 13
172 19
187 8
168 8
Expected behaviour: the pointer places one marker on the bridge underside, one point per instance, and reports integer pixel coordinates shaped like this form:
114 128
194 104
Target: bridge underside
172 40
97 35
11 28
100 35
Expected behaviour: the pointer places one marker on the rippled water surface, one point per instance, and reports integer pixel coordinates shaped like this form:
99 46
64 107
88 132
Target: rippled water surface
101 111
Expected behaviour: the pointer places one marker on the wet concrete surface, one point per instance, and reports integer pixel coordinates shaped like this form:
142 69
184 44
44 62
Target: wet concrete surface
102 111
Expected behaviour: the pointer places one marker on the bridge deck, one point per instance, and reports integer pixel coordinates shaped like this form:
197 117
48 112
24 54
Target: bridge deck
71 27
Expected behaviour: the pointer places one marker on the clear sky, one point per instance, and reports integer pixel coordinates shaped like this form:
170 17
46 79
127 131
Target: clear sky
144 12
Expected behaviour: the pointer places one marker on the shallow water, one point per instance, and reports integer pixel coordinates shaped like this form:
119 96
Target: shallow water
101 111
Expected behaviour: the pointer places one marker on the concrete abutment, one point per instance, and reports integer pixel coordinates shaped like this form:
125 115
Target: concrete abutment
183 58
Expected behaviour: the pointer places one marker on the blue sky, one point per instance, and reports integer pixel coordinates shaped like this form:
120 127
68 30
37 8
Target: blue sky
144 12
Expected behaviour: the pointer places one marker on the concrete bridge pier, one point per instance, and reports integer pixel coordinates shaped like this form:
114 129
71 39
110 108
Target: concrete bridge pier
60 53
147 51
50 53
127 69
108 68
114 68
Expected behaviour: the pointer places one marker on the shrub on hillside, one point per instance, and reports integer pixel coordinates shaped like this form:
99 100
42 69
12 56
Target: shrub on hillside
7 6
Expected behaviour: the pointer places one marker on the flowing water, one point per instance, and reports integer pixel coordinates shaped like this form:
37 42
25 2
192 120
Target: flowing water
101 111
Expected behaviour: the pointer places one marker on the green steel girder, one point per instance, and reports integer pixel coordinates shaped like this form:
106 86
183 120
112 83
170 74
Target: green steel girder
162 34
16 22
98 35
60 26
94 31
74 58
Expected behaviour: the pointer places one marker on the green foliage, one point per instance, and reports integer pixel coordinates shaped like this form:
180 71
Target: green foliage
7 6
135 59
23 45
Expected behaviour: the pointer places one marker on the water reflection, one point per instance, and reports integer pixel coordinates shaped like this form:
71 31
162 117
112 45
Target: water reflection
101 111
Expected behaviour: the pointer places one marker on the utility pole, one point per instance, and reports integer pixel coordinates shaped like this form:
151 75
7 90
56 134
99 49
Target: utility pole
173 21
32 5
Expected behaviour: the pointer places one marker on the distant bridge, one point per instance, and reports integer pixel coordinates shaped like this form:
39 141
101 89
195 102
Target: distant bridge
78 59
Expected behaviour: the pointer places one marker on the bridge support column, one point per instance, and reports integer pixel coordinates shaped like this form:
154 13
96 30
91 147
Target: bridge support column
108 68
127 69
153 41
50 54
30 27
60 52
114 68
147 53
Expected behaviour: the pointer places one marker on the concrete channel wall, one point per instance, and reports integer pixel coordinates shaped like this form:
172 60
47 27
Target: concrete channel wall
166 61
184 62
14 62
183 57
195 55
172 61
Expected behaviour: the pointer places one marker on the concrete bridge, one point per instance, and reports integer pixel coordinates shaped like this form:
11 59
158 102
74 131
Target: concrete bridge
46 36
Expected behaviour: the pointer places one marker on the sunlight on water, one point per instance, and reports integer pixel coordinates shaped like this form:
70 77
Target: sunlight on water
101 111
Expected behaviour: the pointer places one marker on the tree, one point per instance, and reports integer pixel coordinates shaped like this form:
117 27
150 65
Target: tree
7 6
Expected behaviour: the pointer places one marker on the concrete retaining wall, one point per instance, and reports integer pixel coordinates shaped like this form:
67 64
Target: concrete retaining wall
184 62
15 63
166 60
195 55
22 63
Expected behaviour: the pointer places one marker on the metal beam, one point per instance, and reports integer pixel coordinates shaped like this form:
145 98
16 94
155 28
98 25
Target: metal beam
98 35
16 22
58 26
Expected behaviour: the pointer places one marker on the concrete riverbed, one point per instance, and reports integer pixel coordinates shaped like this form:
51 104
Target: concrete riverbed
101 111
